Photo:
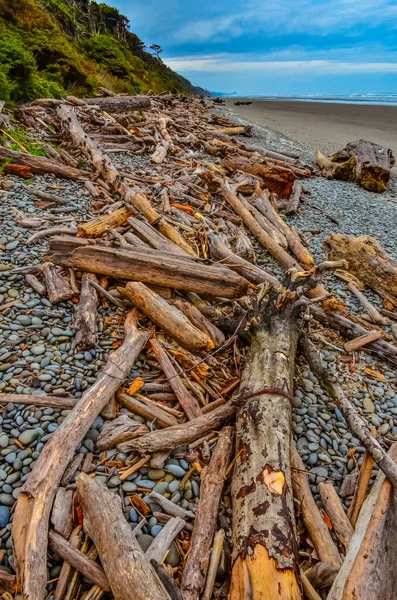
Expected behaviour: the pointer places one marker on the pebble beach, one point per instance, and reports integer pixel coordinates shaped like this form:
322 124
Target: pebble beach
38 354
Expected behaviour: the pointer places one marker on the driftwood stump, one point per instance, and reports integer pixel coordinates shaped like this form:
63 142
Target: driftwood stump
365 162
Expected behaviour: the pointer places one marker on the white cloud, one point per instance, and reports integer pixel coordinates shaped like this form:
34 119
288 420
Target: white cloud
319 17
223 64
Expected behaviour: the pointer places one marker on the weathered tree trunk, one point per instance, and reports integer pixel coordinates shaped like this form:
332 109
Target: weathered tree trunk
40 164
201 322
334 509
162 418
86 312
31 517
293 203
194 574
368 572
148 266
116 104
168 317
367 260
365 162
129 574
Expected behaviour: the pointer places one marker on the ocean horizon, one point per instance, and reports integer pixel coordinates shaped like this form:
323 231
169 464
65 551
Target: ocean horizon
375 99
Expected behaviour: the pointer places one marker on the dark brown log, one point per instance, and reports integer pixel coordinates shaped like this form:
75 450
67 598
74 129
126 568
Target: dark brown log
279 181
39 164
152 413
118 104
129 574
334 509
120 430
170 438
58 288
368 572
31 517
367 260
195 572
356 424
365 162
168 317
311 516
85 313
149 267
186 400
88 567
63 512
168 582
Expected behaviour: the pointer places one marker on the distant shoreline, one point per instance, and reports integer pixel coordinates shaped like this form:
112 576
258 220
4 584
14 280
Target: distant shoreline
375 100
324 126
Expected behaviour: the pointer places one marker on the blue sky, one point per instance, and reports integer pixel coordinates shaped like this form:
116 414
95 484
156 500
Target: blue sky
275 47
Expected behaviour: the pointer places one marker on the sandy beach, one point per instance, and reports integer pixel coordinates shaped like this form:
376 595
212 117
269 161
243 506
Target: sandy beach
323 126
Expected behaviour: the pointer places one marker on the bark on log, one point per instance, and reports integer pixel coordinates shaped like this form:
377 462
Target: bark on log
367 260
85 314
31 517
365 162
88 567
168 317
129 574
118 104
149 267
195 572
170 438
120 430
186 400
355 423
58 288
334 509
279 181
368 572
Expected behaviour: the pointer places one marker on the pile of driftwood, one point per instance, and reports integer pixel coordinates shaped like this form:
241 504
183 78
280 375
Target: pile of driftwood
172 249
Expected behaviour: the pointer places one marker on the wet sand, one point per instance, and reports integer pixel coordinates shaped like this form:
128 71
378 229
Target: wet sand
321 125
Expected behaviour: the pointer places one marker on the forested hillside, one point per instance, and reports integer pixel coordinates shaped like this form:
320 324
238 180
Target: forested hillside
51 47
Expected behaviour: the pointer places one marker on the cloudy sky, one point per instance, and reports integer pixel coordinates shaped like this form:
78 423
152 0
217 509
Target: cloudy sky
279 47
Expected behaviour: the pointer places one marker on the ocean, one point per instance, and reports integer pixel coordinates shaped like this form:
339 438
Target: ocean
377 99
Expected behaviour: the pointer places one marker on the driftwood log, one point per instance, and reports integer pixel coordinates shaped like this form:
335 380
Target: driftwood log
32 512
148 266
129 574
194 574
279 181
118 104
365 162
368 570
40 164
264 537
367 260
85 314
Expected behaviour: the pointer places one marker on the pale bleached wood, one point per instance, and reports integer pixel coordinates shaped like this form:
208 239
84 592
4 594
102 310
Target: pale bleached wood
63 512
164 539
119 430
130 575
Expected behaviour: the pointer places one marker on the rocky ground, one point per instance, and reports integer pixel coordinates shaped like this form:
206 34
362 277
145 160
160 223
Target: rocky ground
38 354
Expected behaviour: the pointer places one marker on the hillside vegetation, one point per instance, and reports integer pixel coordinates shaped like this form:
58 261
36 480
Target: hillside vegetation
52 47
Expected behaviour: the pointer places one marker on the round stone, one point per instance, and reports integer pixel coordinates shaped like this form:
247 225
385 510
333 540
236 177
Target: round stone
156 474
28 436
4 516
144 540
